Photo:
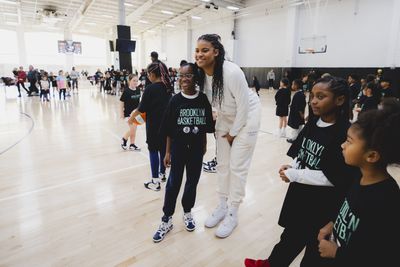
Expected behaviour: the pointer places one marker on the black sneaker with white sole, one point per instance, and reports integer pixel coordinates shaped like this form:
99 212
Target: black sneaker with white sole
123 143
155 186
163 177
133 147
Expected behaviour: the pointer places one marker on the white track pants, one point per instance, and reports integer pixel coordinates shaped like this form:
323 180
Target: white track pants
234 161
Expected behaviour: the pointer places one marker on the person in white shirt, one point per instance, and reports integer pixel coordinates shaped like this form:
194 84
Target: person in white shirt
238 113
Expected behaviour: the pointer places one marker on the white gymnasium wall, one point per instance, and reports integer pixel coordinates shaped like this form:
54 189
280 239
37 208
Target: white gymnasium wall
175 47
221 26
261 40
354 40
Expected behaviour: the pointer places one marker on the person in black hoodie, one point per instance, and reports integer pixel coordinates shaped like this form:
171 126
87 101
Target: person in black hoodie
256 85
318 177
282 99
369 216
372 98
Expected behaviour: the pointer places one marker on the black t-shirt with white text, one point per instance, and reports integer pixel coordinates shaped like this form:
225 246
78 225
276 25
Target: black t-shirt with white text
187 120
318 148
131 100
367 224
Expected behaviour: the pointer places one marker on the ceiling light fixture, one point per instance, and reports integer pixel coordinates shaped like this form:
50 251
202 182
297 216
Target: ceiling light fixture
196 17
10 14
91 23
151 31
167 12
8 2
170 25
232 8
107 16
12 23
128 4
143 21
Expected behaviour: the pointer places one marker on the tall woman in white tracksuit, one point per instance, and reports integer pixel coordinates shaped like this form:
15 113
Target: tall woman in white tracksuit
238 113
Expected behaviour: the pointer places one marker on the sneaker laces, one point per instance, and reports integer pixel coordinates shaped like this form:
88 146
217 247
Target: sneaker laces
163 227
188 217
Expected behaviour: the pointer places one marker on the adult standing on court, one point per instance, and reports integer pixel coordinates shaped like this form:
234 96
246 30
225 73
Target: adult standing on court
238 112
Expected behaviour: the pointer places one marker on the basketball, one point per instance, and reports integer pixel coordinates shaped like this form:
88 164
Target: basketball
140 119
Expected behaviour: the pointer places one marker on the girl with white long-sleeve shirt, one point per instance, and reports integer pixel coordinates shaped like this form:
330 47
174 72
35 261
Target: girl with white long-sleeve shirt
238 113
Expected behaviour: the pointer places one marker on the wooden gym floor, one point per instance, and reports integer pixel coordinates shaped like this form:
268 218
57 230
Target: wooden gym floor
70 196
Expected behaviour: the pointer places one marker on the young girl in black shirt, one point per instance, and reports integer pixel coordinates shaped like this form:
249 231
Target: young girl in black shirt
187 120
282 99
129 102
369 216
154 103
318 176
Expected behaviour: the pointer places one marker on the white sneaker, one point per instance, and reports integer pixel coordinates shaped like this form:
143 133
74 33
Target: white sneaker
283 133
217 216
227 226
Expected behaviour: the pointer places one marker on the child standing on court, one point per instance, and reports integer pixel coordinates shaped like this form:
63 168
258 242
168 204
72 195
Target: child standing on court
61 84
297 108
369 216
282 99
187 120
129 102
44 85
318 177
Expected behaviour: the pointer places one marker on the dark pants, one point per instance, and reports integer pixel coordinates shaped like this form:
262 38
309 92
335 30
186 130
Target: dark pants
62 91
183 156
157 162
74 84
44 94
271 83
23 86
292 242
101 86
32 87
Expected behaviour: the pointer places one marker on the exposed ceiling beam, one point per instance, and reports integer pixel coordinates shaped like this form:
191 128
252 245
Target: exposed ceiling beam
177 17
80 14
141 10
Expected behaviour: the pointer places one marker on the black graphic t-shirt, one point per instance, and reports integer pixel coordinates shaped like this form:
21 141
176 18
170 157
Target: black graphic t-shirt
367 220
318 148
187 120
131 100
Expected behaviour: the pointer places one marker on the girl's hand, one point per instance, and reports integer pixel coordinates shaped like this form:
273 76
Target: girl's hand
229 138
284 168
325 232
282 173
167 160
327 249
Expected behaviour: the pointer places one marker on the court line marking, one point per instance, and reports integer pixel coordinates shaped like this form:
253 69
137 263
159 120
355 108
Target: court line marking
51 187
23 137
